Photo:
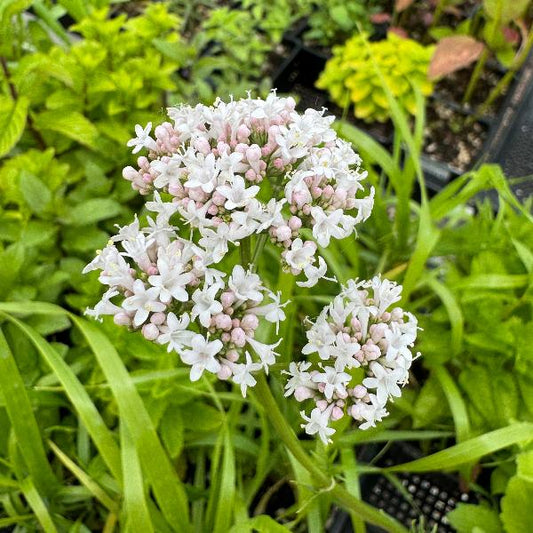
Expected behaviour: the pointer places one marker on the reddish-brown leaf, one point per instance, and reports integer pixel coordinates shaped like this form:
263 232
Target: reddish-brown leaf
454 53
400 5
380 18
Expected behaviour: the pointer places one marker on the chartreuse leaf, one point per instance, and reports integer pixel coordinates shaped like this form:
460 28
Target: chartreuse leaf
519 496
135 510
76 393
38 506
72 125
92 211
470 450
12 121
467 517
24 425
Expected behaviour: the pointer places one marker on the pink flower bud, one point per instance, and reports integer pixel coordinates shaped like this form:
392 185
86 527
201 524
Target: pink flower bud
150 332
249 322
371 351
328 192
278 163
302 393
223 321
322 405
232 355
122 319
356 325
212 209
283 233
225 337
202 145
243 133
224 372
316 192
337 413
359 391
158 318
235 323
218 199
250 175
129 173
306 209
386 316
397 314
295 223
238 337
152 270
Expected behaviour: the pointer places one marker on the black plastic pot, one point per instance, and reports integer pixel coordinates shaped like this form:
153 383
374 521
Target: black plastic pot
431 496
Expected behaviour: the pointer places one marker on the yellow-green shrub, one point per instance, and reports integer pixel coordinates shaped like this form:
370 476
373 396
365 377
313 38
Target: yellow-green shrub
351 77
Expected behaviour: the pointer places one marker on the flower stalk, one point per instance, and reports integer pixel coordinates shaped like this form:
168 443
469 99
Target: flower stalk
323 481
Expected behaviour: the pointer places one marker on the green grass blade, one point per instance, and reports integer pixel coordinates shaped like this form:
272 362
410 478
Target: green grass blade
454 313
457 404
224 510
25 427
136 514
38 506
470 450
88 413
351 480
167 487
93 487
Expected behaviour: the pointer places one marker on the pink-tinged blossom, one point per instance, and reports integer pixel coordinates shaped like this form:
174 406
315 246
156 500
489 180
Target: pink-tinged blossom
201 356
242 373
143 139
205 304
143 302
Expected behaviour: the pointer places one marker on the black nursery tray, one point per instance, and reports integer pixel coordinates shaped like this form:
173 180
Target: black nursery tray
508 136
431 496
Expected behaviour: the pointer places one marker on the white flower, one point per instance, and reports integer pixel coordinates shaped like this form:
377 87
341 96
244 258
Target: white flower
318 423
371 413
265 351
299 377
171 280
385 381
237 194
327 225
143 302
344 353
104 306
143 139
175 333
314 274
245 285
299 254
205 304
334 382
320 338
168 172
273 312
202 356
242 374
203 171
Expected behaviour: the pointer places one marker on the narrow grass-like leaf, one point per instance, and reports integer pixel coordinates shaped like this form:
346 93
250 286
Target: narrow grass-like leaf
351 480
15 520
261 524
469 451
23 422
135 511
224 511
308 499
87 411
427 238
454 312
37 505
457 404
383 435
86 480
493 281
525 254
168 489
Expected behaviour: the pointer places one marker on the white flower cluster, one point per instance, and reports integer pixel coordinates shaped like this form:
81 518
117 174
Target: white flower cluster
252 166
363 355
165 286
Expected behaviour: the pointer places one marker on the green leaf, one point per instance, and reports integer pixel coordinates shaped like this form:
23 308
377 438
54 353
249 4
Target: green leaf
225 504
12 122
24 424
137 516
76 393
515 504
36 194
430 404
92 211
504 11
172 431
466 517
470 450
11 261
262 524
73 125
38 505
201 417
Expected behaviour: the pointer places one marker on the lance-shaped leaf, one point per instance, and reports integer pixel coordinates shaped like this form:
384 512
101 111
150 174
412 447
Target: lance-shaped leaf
454 53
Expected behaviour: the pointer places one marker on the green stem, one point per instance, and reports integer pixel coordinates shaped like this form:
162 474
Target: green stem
259 245
245 249
502 85
322 480
474 79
